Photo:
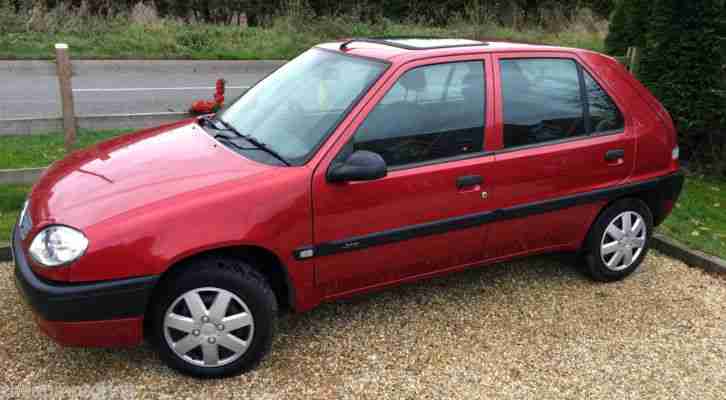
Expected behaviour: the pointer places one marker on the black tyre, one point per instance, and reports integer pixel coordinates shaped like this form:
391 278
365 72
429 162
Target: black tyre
214 319
619 240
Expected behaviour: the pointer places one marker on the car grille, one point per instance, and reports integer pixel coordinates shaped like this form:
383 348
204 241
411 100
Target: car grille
26 223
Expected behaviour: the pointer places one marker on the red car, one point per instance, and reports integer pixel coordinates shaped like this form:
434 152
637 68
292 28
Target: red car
356 166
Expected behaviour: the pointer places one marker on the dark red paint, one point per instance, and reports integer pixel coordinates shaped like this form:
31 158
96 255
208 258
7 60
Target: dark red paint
151 199
113 333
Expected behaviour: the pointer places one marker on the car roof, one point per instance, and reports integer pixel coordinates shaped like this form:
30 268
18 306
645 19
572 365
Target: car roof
399 49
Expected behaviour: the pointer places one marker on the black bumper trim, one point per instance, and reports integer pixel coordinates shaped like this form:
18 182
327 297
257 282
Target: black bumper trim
73 302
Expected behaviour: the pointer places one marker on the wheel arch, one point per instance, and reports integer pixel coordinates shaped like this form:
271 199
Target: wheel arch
650 198
261 259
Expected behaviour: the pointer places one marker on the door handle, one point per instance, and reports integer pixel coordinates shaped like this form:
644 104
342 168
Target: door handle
468 181
614 155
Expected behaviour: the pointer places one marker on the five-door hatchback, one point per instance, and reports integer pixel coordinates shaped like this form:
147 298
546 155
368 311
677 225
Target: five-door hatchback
356 166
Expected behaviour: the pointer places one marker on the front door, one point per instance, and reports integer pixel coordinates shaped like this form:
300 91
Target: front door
429 124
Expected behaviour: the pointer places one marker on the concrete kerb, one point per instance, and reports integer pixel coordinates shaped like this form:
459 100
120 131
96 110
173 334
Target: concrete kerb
22 176
694 258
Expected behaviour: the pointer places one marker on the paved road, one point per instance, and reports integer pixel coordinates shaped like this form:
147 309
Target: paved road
147 87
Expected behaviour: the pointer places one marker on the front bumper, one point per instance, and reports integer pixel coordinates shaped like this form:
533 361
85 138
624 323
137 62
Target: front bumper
106 313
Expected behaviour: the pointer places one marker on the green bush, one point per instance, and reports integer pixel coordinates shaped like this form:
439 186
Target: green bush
196 40
682 66
638 21
628 26
601 8
437 12
619 37
8 17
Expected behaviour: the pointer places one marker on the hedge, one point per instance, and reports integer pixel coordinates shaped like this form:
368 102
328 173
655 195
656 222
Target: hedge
628 26
257 11
682 64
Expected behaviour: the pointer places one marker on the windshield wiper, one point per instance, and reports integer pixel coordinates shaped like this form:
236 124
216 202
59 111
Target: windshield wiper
229 139
263 146
260 145
211 121
208 121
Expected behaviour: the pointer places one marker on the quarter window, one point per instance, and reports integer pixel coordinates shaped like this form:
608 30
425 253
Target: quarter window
604 114
432 112
542 101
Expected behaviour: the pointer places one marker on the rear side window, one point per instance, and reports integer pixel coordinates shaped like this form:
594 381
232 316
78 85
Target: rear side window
543 101
432 112
604 114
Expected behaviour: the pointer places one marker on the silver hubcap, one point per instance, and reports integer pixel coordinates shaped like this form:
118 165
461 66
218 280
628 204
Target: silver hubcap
623 241
208 327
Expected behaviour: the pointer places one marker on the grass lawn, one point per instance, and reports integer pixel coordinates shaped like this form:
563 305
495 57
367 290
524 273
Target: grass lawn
11 201
27 151
699 218
166 39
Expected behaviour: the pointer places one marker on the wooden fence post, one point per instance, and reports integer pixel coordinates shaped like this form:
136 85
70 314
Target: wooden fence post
635 61
63 65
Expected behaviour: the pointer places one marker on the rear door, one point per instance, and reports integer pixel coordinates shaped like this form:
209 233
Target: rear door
429 124
560 136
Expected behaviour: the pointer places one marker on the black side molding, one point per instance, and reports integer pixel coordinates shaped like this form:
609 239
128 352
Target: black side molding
667 187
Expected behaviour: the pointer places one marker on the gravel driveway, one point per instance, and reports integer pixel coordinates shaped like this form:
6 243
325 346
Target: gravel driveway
528 329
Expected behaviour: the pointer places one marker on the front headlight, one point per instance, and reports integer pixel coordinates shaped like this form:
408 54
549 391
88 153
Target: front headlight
57 245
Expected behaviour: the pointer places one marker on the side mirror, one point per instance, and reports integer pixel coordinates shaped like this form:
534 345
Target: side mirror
360 166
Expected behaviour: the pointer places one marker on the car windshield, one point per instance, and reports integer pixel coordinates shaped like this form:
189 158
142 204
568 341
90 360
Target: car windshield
295 108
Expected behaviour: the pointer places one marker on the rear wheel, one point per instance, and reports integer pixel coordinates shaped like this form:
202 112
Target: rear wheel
217 319
619 240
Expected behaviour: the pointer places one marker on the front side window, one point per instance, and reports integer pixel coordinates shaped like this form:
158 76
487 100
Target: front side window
295 108
542 101
432 112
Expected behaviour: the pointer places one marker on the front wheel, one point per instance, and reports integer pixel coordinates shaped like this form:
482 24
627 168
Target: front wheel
619 240
214 320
